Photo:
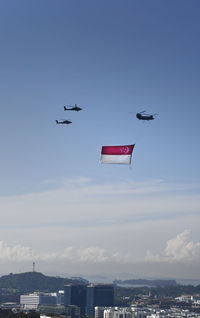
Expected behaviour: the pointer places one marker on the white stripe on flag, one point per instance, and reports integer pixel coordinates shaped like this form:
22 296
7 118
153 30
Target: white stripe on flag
120 159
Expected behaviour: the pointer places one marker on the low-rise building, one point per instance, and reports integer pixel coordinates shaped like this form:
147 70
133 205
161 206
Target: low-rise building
32 301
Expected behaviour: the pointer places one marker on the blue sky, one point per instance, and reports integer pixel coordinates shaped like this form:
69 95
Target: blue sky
114 58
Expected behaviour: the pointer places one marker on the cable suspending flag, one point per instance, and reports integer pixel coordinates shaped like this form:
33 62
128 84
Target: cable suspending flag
117 154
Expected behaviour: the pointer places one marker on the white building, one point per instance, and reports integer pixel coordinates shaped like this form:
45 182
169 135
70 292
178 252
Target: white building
139 313
184 298
98 311
116 312
32 301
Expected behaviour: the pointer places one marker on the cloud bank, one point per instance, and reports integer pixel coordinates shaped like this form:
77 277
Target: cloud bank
91 254
83 202
122 225
178 249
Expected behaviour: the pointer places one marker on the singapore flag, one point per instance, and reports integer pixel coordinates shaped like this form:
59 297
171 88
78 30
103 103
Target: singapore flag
117 154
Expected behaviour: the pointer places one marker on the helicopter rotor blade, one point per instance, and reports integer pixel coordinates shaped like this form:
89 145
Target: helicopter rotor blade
144 111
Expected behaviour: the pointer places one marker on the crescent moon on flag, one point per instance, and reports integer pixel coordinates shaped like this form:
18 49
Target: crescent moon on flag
125 150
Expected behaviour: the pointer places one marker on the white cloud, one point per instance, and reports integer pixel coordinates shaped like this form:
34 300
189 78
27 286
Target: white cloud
16 253
20 253
80 201
178 249
100 224
179 255
92 254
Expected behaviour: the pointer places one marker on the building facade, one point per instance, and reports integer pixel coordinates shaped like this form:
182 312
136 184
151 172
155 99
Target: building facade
75 295
116 312
101 295
32 301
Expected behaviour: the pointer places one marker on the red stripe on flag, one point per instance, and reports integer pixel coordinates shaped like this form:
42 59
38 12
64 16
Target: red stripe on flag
117 150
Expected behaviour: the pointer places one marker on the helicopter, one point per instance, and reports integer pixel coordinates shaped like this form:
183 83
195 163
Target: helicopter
75 107
145 116
64 121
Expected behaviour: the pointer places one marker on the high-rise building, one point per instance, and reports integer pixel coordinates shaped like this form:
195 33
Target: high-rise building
99 295
75 295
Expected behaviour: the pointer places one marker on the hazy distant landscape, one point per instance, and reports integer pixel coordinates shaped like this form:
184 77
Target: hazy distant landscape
35 281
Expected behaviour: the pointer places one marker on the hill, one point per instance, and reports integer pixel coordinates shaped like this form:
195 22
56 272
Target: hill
35 281
146 282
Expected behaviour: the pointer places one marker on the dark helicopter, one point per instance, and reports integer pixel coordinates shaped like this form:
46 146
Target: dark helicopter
145 116
64 121
75 107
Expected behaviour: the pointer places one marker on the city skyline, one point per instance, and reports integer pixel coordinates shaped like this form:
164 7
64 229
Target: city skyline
59 206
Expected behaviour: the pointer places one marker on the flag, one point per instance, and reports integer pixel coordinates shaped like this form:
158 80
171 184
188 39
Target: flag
117 154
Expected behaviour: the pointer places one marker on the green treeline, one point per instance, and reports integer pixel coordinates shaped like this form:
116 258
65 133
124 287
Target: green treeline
125 295
10 314
34 281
